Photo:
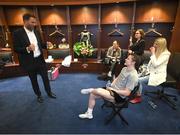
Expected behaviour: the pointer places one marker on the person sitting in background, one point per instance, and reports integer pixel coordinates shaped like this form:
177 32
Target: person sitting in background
138 46
120 88
157 65
113 57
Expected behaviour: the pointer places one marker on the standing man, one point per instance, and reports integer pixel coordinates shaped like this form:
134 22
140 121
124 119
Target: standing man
28 45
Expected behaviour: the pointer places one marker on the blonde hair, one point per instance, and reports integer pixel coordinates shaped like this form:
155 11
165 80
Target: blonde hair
161 44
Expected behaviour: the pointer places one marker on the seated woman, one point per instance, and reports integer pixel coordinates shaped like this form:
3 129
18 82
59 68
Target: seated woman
157 65
119 89
113 55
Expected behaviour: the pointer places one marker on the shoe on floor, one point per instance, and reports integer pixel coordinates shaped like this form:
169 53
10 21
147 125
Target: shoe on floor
136 100
86 91
52 95
40 99
86 115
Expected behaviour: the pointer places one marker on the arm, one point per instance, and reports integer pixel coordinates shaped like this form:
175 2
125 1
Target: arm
109 53
119 52
19 47
140 48
163 58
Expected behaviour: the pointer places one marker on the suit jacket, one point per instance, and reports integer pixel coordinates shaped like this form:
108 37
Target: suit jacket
21 41
158 68
138 47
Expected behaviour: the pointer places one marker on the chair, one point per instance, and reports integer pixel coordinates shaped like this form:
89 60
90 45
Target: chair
6 57
117 107
59 53
173 77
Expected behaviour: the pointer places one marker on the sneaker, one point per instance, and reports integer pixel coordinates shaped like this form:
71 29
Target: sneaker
86 115
136 100
86 91
109 74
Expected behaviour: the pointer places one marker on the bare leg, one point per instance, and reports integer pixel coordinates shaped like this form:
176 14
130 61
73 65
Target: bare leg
98 93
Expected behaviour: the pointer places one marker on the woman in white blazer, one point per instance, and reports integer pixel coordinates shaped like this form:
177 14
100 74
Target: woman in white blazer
157 65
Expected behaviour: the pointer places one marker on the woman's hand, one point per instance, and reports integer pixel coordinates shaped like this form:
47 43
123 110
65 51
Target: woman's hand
130 51
152 50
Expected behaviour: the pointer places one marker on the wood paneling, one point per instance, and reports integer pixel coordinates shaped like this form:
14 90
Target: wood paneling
84 15
117 13
2 21
52 15
57 2
56 38
93 67
157 11
106 41
14 14
163 28
175 41
100 20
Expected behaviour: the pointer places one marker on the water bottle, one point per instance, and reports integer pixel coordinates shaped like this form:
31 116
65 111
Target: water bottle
152 104
108 84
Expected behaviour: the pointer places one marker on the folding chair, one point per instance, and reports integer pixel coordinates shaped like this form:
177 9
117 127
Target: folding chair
117 107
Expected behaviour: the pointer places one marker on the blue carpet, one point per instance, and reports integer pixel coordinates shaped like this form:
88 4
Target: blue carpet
20 112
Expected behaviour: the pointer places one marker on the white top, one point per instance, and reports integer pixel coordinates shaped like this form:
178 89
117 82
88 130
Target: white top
158 68
33 40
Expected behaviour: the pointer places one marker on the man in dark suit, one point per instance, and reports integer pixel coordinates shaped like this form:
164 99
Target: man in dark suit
28 45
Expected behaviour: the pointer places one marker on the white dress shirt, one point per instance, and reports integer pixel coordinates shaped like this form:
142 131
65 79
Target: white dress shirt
33 40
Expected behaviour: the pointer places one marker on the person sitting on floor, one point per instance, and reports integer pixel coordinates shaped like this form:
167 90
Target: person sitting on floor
113 57
118 90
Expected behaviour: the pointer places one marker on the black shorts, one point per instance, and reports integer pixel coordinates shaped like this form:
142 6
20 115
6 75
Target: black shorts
116 96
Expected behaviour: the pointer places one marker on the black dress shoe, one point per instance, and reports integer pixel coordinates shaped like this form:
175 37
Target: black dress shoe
40 99
52 95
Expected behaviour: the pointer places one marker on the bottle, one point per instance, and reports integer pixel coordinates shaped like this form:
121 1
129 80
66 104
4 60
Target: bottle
152 104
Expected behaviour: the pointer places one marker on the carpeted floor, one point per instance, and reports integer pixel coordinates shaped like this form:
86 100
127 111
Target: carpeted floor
20 112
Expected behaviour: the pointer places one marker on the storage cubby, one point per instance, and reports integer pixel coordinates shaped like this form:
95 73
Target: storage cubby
100 19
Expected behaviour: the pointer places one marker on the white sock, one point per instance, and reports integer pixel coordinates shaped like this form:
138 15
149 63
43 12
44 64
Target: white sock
89 111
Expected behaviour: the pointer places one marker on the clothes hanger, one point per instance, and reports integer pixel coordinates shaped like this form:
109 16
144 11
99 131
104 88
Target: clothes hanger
116 32
56 31
153 30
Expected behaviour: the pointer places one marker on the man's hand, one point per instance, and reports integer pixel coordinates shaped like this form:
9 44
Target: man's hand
31 47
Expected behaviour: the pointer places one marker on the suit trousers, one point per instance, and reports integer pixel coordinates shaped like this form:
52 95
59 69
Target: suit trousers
40 68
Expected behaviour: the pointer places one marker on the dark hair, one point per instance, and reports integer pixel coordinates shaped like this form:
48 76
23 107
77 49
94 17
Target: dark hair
27 16
141 31
137 60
